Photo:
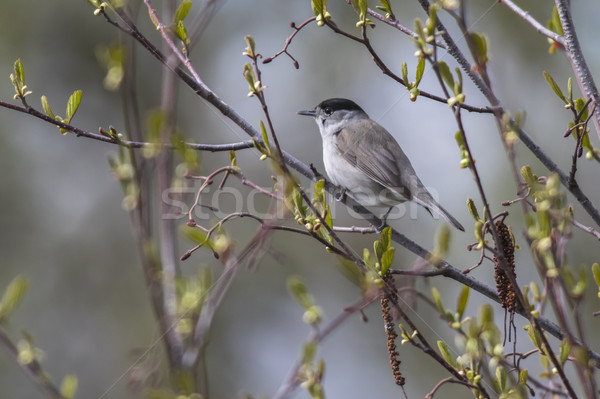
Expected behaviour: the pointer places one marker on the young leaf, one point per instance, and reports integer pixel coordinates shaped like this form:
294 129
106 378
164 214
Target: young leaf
462 301
181 32
442 240
265 136
446 74
386 260
46 107
534 336
437 300
420 69
182 11
404 69
523 377
596 273
473 209
480 43
14 294
501 377
68 387
446 353
386 238
555 87
19 72
73 105
299 292
565 350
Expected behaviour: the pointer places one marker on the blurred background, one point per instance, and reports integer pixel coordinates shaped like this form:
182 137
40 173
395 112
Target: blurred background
62 223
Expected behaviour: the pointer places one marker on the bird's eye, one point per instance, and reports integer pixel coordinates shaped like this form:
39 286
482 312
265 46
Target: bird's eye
327 111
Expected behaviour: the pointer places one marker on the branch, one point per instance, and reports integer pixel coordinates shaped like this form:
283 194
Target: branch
564 179
541 29
124 143
317 336
395 24
386 71
453 273
33 369
575 54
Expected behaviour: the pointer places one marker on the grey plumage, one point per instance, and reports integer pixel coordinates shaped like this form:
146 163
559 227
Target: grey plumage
363 158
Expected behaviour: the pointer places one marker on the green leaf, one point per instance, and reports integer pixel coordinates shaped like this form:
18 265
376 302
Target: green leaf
182 11
570 89
386 238
480 43
367 257
432 20
473 209
46 107
420 70
565 350
523 377
446 74
386 5
442 240
13 296
386 260
534 336
378 249
197 235
528 176
419 30
446 353
437 300
362 7
458 85
309 351
265 136
181 32
318 7
463 297
73 105
554 24
19 72
404 69
596 273
68 387
299 292
555 87
501 378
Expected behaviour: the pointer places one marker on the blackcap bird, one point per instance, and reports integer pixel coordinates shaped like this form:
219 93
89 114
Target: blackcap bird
365 161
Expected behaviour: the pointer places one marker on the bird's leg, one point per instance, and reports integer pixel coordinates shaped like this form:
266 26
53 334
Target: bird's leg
340 194
317 174
383 221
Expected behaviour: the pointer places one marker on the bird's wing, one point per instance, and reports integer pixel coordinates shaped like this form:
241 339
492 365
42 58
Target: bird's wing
376 153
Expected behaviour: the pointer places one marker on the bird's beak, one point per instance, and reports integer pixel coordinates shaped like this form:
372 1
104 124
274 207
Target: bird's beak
308 113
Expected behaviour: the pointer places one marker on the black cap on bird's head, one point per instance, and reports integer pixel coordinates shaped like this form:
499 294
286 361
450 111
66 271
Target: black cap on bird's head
331 105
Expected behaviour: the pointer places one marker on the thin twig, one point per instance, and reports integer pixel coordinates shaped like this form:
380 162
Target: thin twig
582 72
587 229
291 382
288 41
125 143
541 29
33 369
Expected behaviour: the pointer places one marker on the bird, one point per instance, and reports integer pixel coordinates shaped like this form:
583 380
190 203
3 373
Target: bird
363 159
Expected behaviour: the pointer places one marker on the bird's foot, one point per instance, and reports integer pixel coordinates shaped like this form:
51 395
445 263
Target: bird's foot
340 194
383 224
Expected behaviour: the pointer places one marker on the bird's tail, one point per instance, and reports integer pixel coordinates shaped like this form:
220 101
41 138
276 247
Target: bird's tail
432 206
